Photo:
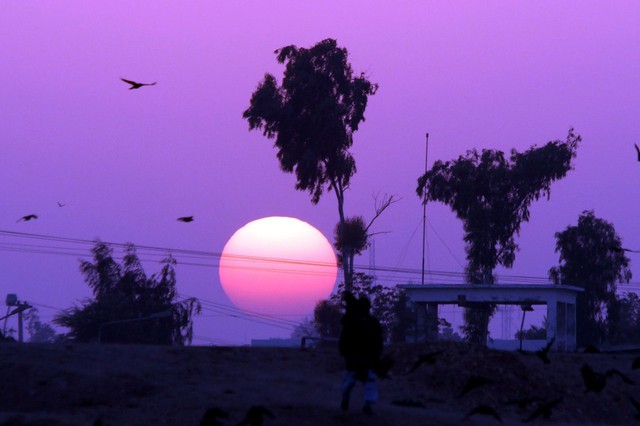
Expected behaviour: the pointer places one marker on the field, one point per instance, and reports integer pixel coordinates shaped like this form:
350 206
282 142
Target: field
75 384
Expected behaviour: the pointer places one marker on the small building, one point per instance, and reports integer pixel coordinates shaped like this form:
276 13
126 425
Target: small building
559 299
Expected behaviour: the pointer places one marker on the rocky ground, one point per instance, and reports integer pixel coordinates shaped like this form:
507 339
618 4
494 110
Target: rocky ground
75 384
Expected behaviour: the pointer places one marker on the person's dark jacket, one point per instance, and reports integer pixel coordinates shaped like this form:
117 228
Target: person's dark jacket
361 342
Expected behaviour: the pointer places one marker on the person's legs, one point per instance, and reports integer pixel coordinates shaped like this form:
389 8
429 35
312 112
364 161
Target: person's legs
348 382
370 392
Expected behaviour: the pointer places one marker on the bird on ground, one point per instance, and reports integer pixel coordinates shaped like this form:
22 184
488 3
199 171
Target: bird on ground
624 378
27 218
474 382
595 382
636 404
591 349
136 85
383 366
185 219
522 403
211 416
408 403
637 150
544 410
542 353
429 358
255 416
60 204
485 410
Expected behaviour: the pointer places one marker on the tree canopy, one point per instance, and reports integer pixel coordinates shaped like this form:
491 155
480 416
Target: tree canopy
312 116
591 257
124 292
491 194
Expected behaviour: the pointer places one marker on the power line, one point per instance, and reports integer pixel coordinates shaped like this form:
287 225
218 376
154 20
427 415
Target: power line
211 259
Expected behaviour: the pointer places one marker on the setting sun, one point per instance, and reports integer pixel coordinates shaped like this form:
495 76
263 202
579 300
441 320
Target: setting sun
278 265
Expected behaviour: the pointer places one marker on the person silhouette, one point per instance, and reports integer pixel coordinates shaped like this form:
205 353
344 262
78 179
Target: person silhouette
361 345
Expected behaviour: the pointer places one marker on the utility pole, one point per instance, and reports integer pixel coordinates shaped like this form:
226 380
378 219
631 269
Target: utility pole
20 307
424 207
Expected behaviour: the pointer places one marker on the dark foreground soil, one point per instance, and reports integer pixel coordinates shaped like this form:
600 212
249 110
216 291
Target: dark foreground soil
74 384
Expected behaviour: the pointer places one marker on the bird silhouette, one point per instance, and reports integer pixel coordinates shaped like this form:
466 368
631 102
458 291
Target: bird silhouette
408 403
185 219
27 218
383 366
429 358
636 404
591 349
542 353
595 382
544 410
484 410
211 416
522 403
474 382
60 204
255 416
135 84
637 150
624 378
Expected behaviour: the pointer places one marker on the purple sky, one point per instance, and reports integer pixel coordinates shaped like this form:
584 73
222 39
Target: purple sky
495 75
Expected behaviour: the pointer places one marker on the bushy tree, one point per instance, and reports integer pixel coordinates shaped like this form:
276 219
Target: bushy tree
623 319
312 116
123 292
491 194
389 305
591 257
532 333
39 332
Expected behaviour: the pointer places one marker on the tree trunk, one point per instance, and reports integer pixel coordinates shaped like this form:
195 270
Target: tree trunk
348 276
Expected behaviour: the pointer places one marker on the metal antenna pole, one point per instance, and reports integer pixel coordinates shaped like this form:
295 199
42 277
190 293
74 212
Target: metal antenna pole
424 207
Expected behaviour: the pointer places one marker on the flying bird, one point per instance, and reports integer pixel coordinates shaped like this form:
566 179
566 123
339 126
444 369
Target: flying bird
136 85
429 358
637 150
542 353
185 219
255 416
60 204
27 218
210 417
544 410
474 382
485 410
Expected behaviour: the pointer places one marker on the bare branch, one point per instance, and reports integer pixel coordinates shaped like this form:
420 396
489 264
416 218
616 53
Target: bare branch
381 206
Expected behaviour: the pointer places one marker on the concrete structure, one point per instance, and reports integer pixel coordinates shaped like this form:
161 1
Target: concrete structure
560 301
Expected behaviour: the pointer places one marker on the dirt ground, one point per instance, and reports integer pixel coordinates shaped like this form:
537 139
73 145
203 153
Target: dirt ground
75 384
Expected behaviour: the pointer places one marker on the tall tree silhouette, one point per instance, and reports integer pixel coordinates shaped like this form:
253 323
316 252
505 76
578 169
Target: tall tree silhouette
491 195
591 257
312 117
123 292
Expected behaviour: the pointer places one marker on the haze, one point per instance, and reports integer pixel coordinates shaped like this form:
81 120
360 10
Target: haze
497 75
